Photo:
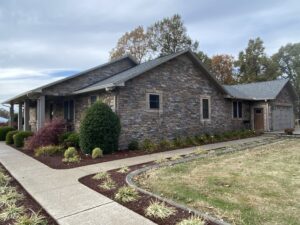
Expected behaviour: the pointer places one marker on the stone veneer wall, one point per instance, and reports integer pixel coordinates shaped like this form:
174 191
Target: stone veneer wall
181 84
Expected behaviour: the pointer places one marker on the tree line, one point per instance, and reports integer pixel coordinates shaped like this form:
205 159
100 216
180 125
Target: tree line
169 35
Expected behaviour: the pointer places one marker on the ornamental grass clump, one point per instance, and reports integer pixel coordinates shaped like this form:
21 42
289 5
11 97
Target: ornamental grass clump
97 153
48 150
32 219
193 220
200 151
107 184
100 176
124 169
99 128
127 194
158 209
11 211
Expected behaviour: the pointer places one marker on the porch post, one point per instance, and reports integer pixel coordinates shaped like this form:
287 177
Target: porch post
11 114
40 111
26 115
20 112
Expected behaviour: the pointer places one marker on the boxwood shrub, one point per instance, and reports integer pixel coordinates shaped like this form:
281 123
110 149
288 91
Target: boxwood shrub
99 128
9 140
20 137
4 131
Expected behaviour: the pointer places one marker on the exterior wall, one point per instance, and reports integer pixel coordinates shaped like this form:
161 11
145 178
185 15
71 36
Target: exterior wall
71 85
181 84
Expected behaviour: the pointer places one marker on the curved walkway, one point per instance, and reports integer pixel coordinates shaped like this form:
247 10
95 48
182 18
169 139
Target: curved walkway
70 202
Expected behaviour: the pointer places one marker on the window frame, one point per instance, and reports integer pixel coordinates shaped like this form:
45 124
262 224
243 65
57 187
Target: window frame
239 112
68 114
90 99
203 97
160 99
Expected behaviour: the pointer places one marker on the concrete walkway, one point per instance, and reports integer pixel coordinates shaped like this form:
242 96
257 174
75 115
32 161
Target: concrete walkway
71 203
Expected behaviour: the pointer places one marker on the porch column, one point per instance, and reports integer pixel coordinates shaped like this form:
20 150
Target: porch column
20 122
26 115
40 111
11 114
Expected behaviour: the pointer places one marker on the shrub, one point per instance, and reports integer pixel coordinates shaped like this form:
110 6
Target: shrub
164 145
193 220
149 146
71 156
20 137
48 150
101 176
9 140
47 135
178 142
159 210
72 140
11 212
97 153
99 128
133 145
4 131
289 131
107 184
127 194
4 179
189 141
62 137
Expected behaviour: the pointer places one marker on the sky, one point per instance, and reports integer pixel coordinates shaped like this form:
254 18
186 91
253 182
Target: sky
42 41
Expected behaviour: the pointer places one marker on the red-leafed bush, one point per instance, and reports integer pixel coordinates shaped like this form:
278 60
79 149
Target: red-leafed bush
47 135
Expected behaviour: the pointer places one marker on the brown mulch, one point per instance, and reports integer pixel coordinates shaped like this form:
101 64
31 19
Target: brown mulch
142 203
28 202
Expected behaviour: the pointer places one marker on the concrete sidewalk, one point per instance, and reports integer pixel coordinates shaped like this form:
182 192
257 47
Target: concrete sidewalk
71 203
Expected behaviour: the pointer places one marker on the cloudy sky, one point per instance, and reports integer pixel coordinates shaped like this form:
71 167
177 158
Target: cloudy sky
41 41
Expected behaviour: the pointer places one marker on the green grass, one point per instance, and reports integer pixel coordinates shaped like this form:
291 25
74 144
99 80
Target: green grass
257 186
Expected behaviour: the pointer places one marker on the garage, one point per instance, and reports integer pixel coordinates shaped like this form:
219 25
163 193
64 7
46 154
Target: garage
282 117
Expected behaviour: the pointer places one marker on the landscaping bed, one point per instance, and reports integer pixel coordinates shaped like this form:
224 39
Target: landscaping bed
14 197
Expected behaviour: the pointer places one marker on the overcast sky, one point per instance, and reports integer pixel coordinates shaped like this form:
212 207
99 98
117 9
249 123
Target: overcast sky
41 41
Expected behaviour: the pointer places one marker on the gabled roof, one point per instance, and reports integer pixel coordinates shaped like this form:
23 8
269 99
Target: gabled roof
120 78
266 90
40 89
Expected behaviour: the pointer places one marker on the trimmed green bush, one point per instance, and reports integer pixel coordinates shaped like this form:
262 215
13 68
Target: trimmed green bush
149 146
133 145
164 145
4 131
20 137
99 128
97 153
9 140
71 156
72 140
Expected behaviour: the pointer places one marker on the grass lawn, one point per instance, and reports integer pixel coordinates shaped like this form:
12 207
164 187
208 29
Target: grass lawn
257 186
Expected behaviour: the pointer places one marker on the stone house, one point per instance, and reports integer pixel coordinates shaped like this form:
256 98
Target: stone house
171 96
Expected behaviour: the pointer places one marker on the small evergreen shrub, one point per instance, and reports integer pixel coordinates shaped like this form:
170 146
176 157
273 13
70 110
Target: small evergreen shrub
159 210
72 140
127 194
20 137
62 137
133 145
99 128
164 145
71 156
3 131
9 140
97 153
48 150
48 135
149 146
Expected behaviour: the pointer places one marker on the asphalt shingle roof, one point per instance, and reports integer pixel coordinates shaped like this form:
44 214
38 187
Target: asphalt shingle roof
122 77
256 91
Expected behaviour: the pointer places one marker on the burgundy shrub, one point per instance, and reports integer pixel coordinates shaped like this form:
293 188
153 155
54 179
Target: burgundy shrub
47 135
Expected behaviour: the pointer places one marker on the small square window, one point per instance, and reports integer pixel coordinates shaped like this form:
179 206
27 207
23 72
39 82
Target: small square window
93 99
153 101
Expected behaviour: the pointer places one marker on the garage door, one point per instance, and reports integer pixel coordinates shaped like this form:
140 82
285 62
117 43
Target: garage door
282 117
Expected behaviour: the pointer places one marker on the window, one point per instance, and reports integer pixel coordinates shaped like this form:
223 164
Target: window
205 108
93 99
69 110
237 109
154 101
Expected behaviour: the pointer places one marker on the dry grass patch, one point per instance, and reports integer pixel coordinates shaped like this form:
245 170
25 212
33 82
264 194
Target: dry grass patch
256 186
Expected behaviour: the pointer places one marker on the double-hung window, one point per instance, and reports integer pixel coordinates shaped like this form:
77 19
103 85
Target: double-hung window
69 110
237 109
